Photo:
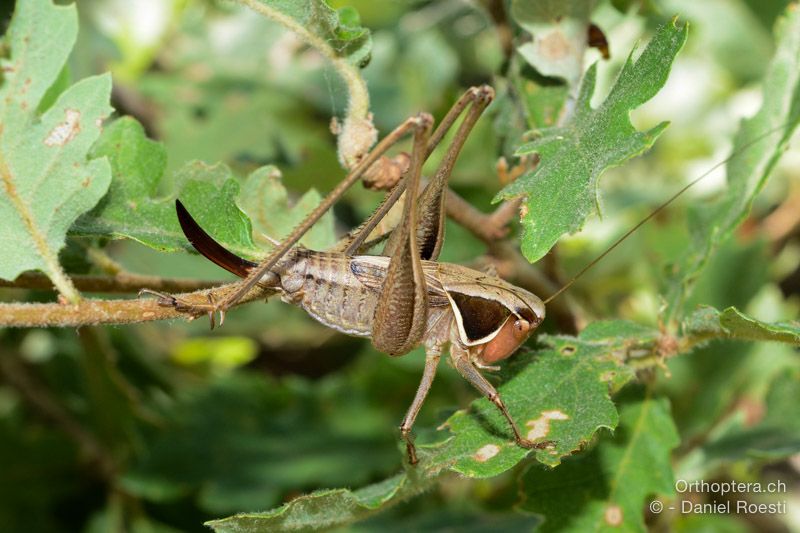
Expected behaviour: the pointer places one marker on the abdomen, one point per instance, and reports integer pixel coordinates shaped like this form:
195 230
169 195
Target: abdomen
333 295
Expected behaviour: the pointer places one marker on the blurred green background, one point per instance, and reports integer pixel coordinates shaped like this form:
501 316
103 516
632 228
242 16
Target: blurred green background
158 427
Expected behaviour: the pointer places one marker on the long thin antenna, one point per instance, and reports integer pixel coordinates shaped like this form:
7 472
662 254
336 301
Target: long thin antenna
661 208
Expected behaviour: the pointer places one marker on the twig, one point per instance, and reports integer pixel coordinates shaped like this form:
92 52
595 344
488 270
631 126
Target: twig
488 228
497 11
122 282
93 312
779 224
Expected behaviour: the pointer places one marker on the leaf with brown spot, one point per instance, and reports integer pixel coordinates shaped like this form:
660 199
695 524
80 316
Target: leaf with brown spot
540 427
616 478
486 452
565 389
48 179
477 442
562 190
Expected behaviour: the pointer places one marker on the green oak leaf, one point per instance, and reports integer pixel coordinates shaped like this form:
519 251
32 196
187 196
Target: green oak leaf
47 176
336 507
561 395
324 28
265 200
324 508
758 146
328 508
606 489
562 190
733 324
133 209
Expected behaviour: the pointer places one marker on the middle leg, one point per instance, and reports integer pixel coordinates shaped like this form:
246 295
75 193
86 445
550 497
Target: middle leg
471 374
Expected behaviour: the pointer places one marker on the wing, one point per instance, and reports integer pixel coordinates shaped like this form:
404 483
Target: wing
371 272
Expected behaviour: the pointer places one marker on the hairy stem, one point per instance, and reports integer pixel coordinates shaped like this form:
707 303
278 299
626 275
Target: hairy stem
93 312
357 133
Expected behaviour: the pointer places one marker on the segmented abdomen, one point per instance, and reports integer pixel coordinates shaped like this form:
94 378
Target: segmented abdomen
334 296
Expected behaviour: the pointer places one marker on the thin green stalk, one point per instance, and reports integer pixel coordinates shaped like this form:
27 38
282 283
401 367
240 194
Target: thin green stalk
357 133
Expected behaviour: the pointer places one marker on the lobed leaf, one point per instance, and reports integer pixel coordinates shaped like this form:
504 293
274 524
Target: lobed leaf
733 324
562 190
758 146
48 177
605 490
561 396
135 208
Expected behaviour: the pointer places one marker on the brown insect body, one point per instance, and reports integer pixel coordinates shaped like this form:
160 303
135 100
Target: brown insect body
403 298
465 307
342 293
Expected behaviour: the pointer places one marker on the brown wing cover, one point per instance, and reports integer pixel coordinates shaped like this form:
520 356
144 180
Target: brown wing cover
373 275
210 248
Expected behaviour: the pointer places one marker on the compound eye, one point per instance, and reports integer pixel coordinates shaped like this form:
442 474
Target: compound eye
521 329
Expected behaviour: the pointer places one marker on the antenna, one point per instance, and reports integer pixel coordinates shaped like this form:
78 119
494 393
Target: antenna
661 207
